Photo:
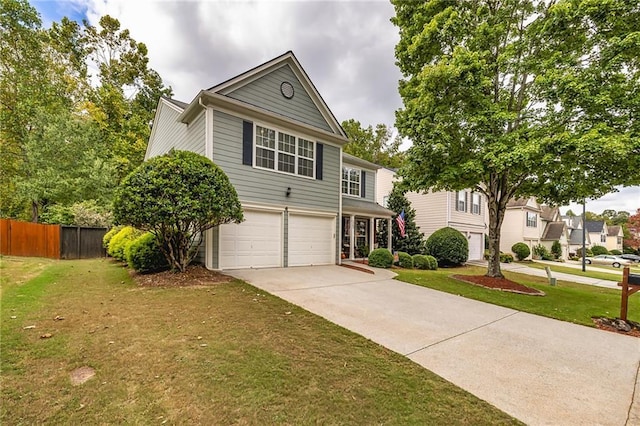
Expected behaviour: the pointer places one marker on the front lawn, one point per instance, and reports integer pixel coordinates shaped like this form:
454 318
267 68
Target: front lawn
566 301
207 354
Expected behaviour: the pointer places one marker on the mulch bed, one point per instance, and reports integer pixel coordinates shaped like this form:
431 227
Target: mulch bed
609 324
501 284
195 275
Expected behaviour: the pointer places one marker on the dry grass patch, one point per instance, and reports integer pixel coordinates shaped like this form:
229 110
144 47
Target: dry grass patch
217 353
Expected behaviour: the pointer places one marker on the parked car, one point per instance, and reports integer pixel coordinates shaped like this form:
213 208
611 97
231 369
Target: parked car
632 257
607 259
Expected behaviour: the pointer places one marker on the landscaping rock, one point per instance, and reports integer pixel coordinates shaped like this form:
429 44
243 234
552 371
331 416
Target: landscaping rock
81 375
621 325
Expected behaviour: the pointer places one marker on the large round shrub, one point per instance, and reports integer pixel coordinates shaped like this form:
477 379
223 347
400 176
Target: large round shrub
380 258
521 250
405 260
596 250
177 197
448 246
119 242
144 255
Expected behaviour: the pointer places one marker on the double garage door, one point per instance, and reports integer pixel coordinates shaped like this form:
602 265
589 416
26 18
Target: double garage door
259 241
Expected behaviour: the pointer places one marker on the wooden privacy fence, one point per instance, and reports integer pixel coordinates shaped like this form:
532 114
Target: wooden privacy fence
53 241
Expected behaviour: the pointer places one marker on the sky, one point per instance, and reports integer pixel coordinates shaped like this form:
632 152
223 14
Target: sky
346 47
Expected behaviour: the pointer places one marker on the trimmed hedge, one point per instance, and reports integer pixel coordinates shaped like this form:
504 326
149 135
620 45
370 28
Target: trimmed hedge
506 258
448 246
433 263
109 235
143 254
120 241
521 250
405 260
380 258
420 261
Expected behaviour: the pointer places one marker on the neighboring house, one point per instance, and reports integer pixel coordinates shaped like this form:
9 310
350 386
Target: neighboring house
273 135
598 232
554 229
522 223
575 229
614 237
465 211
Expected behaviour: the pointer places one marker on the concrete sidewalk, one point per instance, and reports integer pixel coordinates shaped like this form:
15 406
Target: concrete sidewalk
539 370
561 276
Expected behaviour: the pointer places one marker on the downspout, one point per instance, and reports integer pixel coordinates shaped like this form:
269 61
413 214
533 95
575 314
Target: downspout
338 239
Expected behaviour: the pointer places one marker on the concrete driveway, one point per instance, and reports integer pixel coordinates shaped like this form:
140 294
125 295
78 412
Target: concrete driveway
539 370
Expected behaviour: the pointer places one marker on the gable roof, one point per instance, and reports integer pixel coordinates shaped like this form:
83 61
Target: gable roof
613 230
549 213
524 203
575 238
357 161
573 222
554 230
287 58
179 104
594 226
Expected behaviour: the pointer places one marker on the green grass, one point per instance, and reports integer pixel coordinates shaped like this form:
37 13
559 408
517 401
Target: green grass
218 354
566 301
614 275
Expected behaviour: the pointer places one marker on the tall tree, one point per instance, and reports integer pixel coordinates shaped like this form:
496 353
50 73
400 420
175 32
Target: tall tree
519 97
375 145
413 241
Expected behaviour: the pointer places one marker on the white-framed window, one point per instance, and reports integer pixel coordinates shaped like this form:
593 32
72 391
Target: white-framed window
603 238
532 220
283 152
461 201
475 203
385 201
351 181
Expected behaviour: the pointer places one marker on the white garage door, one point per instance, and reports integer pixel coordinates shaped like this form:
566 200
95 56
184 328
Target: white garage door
254 243
311 240
476 245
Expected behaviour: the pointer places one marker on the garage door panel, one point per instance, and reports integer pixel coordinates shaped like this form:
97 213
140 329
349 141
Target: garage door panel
476 246
254 243
311 240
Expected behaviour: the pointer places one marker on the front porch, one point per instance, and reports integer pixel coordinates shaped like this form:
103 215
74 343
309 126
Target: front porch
358 226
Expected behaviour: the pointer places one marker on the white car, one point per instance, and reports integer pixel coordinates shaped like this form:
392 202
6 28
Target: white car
607 259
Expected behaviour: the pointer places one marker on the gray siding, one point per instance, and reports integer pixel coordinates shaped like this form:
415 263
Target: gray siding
264 186
265 93
169 133
369 182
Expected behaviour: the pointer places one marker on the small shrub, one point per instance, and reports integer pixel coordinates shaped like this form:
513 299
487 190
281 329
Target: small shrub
541 252
556 249
420 261
405 260
109 235
120 241
615 252
448 246
486 255
506 258
579 252
521 250
380 258
433 263
596 250
143 254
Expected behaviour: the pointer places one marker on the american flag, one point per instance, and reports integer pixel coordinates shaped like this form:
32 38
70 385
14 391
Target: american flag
401 224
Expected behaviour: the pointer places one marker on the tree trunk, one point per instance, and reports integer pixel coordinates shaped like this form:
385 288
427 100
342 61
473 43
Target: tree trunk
34 212
497 207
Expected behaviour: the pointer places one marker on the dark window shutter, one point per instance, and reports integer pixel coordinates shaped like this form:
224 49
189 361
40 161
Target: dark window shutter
319 154
247 143
363 183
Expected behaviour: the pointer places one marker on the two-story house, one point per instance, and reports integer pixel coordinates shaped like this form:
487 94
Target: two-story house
597 231
280 145
521 223
465 211
576 234
615 237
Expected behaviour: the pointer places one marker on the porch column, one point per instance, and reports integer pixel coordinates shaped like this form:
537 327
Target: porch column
389 235
352 236
372 234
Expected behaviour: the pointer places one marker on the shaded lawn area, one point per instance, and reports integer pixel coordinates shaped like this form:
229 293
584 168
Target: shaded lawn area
614 275
218 354
566 301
